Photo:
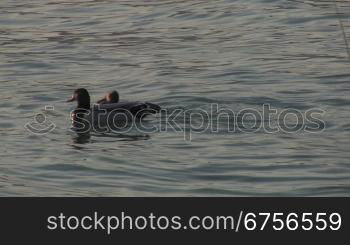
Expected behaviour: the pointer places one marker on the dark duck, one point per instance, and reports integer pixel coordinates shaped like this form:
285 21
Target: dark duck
84 115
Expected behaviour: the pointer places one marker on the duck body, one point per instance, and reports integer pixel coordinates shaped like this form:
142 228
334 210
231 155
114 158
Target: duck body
137 109
112 115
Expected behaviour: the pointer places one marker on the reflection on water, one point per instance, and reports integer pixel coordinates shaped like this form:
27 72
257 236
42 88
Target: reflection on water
81 138
84 138
179 54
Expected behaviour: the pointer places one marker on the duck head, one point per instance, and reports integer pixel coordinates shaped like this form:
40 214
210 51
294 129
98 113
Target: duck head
81 95
78 115
111 97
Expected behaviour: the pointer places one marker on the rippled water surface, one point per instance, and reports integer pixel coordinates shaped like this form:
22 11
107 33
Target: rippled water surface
179 54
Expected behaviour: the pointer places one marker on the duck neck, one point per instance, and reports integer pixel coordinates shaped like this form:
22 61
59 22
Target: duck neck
84 105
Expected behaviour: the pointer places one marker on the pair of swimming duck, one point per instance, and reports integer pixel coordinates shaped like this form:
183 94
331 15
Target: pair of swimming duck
108 105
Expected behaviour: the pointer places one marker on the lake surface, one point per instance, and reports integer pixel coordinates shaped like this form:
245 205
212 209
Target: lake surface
178 54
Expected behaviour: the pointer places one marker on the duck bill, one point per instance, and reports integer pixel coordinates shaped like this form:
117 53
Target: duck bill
71 99
101 101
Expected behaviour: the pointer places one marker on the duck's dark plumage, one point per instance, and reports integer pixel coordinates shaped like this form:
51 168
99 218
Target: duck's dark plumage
139 109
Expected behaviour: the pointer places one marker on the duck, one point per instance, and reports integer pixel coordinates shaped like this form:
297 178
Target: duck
110 98
108 112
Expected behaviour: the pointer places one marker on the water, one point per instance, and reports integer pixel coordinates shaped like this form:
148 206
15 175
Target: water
179 54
